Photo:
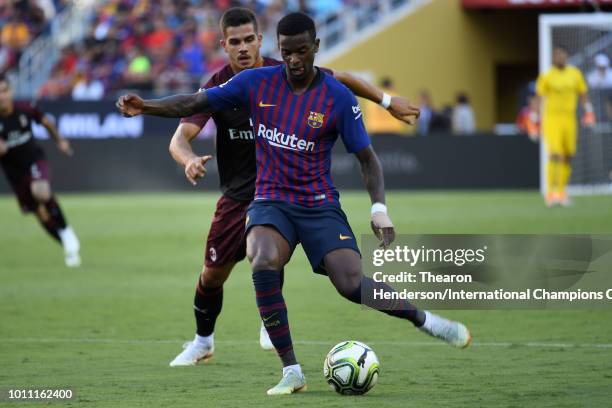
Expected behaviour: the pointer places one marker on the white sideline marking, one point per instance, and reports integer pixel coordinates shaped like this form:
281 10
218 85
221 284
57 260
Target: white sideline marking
305 342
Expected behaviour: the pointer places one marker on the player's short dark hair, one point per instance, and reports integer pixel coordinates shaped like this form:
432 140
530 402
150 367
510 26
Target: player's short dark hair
296 23
237 16
561 47
3 77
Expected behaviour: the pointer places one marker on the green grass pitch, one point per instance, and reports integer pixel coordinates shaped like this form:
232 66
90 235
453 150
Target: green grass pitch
109 329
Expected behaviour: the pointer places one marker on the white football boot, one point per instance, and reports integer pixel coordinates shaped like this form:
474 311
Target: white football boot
72 246
194 353
292 381
454 333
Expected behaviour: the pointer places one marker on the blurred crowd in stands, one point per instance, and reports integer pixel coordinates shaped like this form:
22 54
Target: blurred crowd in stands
163 46
20 22
458 119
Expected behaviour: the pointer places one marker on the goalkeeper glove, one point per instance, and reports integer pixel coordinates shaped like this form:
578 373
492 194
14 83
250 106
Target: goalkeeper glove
588 119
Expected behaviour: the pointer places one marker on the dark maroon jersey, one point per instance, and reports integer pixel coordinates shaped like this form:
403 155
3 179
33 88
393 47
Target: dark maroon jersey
235 142
16 132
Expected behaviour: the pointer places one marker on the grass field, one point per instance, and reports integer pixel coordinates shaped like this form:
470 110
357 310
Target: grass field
109 329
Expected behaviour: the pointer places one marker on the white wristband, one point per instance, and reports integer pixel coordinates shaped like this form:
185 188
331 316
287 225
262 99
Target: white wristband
379 207
386 100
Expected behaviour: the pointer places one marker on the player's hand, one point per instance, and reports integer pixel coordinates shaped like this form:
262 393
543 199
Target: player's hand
64 146
194 168
383 228
402 110
3 148
130 105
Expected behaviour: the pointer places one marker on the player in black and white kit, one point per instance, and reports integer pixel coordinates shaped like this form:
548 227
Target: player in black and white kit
235 149
25 167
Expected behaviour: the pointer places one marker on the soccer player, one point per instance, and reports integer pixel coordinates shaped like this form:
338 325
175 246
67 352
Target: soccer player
298 112
560 89
225 245
25 166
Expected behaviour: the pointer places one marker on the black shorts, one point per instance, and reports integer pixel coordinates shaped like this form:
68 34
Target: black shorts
226 240
21 179
320 230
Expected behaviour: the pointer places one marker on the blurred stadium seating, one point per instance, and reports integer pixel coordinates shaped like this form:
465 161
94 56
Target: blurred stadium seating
21 21
162 47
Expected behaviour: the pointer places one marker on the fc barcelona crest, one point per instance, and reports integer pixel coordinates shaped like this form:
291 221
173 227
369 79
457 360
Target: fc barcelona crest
315 119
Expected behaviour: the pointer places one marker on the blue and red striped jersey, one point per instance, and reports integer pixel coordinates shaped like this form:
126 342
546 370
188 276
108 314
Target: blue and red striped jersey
294 134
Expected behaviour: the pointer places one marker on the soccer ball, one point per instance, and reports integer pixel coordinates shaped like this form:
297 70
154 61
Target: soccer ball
351 368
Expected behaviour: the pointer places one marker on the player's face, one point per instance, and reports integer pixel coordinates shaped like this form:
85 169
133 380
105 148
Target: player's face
298 52
559 57
242 45
6 95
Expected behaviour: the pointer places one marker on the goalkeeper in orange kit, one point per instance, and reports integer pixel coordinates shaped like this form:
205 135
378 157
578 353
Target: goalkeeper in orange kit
560 87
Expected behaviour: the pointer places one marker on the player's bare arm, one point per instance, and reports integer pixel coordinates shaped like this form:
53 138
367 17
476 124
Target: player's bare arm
175 106
400 108
63 145
183 154
372 173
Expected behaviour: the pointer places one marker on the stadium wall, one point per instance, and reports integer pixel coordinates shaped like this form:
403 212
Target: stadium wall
445 49
441 162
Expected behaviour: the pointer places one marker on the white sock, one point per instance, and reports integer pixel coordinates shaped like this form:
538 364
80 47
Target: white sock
430 320
295 368
70 242
204 340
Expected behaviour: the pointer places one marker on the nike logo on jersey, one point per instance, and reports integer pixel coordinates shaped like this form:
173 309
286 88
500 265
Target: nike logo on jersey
345 237
265 105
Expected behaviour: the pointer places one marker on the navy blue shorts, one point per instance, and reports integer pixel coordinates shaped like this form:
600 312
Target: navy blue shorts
320 230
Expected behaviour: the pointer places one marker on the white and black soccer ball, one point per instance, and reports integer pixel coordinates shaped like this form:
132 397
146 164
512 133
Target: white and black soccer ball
351 368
